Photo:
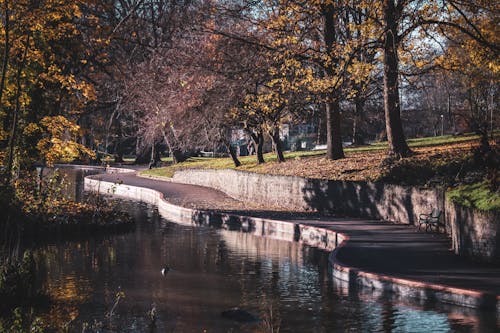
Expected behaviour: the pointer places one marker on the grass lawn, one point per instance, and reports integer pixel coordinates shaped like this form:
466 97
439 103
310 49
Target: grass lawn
361 163
437 160
476 195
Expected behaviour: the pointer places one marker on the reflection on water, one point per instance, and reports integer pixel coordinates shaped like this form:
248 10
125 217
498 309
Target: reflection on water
214 270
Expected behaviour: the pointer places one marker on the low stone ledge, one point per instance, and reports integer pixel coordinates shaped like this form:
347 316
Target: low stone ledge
419 291
282 230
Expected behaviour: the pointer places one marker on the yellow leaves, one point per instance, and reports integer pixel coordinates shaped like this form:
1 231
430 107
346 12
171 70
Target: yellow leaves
3 135
69 82
31 130
360 71
59 140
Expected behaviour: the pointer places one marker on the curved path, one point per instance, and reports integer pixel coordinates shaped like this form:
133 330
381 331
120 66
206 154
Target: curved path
394 253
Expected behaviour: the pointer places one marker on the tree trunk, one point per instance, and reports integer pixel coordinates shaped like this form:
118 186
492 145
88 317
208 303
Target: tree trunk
395 135
143 156
258 142
334 149
6 49
260 147
178 156
119 156
358 133
232 153
119 144
15 120
275 136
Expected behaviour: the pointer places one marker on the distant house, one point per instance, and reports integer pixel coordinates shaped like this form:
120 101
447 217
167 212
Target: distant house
240 141
299 136
293 137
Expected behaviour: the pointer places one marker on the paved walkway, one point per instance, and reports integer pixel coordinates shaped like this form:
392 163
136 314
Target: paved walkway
374 246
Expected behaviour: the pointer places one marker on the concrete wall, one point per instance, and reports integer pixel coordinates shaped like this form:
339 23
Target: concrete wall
474 233
317 237
361 199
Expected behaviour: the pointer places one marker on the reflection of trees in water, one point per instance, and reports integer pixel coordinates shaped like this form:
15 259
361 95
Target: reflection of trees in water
283 287
287 284
69 272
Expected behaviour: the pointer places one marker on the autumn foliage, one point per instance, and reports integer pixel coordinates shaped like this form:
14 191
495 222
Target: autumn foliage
145 78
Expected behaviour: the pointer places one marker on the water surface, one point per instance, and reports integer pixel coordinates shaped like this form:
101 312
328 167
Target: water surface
286 284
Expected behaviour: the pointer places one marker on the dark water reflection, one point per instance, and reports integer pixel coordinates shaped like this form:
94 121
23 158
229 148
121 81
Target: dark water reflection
286 284
214 270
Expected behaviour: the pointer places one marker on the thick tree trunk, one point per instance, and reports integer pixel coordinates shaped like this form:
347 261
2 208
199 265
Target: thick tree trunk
334 148
260 147
275 136
258 140
395 134
358 133
178 156
232 153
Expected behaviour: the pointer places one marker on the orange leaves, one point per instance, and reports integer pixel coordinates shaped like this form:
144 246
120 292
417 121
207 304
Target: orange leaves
58 140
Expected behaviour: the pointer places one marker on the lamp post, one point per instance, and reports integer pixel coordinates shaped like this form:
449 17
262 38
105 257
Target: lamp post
442 125
39 170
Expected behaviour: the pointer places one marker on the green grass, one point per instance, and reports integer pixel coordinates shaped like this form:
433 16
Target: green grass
477 196
422 142
249 162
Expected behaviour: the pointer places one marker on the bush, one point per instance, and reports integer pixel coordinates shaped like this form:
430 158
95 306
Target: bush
17 279
22 322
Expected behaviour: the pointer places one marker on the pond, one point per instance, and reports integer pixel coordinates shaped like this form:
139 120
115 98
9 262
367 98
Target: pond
287 285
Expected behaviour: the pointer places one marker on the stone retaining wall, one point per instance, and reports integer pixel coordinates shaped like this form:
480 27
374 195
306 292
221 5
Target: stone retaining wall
321 238
473 233
395 203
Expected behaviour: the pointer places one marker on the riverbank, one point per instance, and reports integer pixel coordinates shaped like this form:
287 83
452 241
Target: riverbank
44 208
367 253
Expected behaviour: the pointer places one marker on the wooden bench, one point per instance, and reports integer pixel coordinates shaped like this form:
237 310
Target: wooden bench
431 220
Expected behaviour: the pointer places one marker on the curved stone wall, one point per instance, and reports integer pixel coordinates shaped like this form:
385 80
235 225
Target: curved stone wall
473 233
401 204
320 238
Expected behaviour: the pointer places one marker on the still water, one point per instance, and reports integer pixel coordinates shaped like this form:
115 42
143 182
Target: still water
287 285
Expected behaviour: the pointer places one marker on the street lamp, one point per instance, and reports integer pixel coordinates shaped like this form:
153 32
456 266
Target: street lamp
39 170
442 125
